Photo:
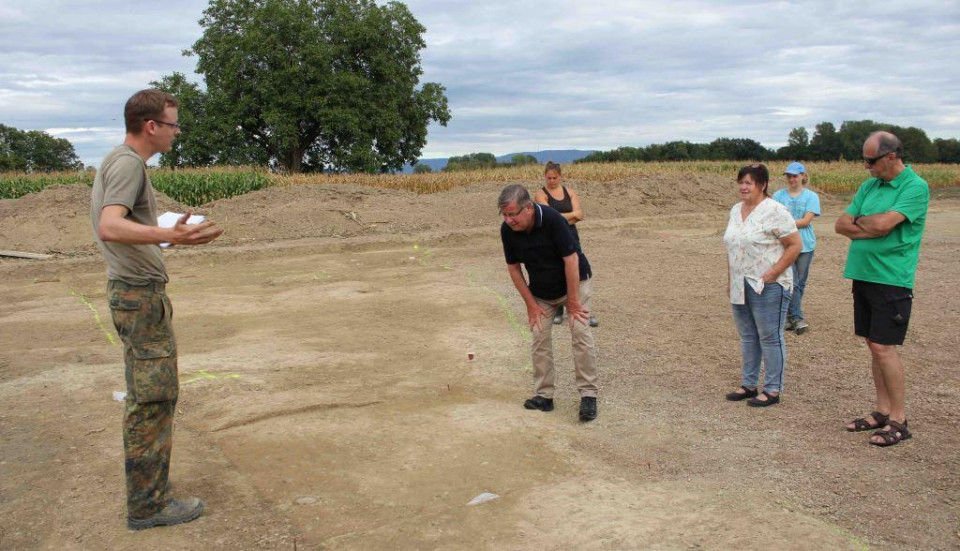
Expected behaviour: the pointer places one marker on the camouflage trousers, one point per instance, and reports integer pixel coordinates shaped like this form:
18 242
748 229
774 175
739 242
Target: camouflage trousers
142 317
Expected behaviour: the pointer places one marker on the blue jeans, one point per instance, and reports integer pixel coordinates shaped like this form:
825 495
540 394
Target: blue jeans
801 269
760 324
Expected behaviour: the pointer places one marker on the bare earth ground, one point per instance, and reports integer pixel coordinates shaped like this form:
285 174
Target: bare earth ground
327 401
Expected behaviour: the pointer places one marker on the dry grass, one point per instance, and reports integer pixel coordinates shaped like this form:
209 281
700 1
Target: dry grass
205 184
830 177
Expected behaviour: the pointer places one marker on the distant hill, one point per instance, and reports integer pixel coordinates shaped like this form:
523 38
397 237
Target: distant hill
562 156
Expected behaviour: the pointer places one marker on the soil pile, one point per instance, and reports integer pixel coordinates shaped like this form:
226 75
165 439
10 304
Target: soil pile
56 220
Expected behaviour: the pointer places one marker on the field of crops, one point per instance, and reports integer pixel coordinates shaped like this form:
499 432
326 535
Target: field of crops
195 187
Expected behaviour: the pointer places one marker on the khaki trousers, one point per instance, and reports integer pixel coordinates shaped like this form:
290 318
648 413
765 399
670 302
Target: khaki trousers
584 349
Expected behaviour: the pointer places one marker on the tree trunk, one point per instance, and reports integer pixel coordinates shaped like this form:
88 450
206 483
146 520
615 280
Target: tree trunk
294 161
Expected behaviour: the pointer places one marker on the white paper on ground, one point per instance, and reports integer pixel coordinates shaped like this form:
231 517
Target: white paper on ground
169 220
119 396
483 498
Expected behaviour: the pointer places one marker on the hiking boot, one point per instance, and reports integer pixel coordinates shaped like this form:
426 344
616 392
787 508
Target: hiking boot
558 319
588 408
791 324
539 402
594 322
176 511
800 326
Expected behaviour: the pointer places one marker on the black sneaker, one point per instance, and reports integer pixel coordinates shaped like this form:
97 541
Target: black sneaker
588 408
176 511
800 326
539 402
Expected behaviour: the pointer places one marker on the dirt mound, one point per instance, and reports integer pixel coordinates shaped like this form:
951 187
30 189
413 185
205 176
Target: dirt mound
345 211
56 220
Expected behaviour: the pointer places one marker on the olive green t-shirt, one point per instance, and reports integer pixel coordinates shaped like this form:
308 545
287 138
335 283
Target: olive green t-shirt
891 259
123 180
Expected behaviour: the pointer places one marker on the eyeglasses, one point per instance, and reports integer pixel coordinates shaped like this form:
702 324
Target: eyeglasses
873 160
514 214
173 124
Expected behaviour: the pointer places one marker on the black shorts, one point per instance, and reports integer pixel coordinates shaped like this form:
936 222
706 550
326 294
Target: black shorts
881 312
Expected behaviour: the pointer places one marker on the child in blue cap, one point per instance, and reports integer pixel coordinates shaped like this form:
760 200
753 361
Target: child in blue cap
804 205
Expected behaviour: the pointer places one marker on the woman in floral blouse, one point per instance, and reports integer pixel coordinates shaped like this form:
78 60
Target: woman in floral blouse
762 243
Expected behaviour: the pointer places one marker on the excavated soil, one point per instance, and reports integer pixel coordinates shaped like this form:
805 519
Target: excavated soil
327 400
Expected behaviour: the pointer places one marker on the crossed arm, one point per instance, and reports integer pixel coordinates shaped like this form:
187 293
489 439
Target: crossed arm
572 217
868 227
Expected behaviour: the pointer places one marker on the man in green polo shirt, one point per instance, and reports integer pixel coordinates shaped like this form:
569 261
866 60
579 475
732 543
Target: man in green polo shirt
885 223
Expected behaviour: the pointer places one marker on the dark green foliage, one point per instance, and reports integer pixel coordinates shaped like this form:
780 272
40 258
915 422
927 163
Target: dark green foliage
472 161
421 168
205 140
825 144
314 85
828 144
948 150
719 149
35 150
797 145
521 159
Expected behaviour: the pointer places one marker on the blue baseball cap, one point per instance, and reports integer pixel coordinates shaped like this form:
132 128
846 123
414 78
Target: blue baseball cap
795 168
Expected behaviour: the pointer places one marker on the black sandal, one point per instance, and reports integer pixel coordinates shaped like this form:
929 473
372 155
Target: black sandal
737 396
771 400
894 435
861 424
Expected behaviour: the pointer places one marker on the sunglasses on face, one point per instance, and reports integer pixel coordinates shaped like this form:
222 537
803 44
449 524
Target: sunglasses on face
873 160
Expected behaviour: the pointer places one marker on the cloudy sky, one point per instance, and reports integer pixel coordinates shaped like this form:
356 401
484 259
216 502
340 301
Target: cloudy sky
531 75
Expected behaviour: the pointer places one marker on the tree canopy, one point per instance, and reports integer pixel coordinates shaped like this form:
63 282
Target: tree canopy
35 150
471 161
308 84
827 144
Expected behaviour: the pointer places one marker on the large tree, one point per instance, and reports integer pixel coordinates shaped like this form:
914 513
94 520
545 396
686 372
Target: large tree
35 150
948 150
319 84
825 144
206 139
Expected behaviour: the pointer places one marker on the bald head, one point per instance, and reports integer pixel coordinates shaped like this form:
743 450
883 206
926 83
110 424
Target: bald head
885 143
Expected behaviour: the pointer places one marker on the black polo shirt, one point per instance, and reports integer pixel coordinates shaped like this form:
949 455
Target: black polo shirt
542 250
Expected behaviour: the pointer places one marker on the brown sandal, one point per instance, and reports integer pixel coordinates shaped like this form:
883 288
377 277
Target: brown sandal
894 435
861 424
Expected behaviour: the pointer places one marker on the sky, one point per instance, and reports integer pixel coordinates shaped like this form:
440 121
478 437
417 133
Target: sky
532 75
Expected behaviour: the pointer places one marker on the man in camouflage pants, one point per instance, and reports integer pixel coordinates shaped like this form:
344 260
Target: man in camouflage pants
124 217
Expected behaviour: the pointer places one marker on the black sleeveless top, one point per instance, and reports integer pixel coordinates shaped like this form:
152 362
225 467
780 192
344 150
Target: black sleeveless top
563 205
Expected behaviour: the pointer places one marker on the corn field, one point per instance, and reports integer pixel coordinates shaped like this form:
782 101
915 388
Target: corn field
195 187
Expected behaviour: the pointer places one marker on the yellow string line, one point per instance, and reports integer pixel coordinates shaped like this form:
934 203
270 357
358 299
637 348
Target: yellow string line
96 315
203 374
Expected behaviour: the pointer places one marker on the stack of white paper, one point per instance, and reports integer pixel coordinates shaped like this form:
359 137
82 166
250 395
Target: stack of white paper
169 220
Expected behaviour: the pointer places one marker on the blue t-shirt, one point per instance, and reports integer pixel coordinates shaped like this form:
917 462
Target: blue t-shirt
807 201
